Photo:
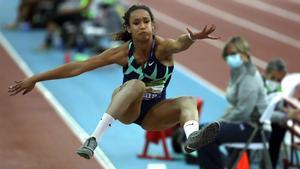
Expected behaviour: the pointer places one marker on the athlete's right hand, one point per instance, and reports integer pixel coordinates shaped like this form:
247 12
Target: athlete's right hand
24 86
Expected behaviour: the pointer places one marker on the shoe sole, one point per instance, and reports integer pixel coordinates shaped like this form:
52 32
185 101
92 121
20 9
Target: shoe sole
203 137
85 153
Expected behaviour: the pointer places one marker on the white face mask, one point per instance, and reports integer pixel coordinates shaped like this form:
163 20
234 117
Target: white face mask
234 60
272 86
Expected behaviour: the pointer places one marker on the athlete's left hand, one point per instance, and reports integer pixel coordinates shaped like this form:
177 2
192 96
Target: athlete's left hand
204 34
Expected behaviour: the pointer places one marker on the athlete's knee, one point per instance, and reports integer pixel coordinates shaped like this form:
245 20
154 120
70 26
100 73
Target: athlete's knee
187 108
184 100
136 85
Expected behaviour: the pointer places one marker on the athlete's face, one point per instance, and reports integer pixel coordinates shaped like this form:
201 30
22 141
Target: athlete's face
140 25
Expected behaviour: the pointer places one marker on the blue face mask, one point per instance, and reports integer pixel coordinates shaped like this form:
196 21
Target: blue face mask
234 60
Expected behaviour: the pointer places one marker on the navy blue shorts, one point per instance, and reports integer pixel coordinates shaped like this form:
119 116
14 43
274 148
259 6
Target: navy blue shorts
145 107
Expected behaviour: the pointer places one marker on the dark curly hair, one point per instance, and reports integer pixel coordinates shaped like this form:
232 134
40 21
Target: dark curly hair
124 35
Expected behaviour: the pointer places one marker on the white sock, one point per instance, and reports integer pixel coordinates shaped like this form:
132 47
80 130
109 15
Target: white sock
190 126
103 125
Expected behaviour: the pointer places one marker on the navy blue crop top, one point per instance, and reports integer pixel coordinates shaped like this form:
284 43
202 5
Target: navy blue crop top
152 73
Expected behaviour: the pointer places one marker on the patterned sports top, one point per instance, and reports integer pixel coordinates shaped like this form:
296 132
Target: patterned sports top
152 73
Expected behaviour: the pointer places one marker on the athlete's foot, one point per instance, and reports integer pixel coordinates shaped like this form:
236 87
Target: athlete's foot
202 137
88 147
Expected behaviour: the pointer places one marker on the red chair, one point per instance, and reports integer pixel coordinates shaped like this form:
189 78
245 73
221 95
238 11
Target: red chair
156 136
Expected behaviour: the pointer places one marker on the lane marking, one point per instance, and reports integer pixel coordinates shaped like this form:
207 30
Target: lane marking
100 157
156 166
244 23
294 1
271 9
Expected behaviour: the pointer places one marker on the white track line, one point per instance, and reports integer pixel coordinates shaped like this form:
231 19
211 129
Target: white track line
59 109
156 166
295 1
274 10
244 23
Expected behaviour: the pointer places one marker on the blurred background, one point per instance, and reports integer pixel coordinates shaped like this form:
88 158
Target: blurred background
44 128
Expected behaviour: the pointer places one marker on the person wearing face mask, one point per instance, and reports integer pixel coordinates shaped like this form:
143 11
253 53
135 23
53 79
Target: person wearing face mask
246 96
286 110
275 71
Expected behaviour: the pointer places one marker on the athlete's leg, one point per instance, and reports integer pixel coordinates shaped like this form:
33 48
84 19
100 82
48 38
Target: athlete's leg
182 110
126 101
170 112
125 106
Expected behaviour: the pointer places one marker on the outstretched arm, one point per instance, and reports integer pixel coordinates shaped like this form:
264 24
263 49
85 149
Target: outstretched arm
184 41
110 56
